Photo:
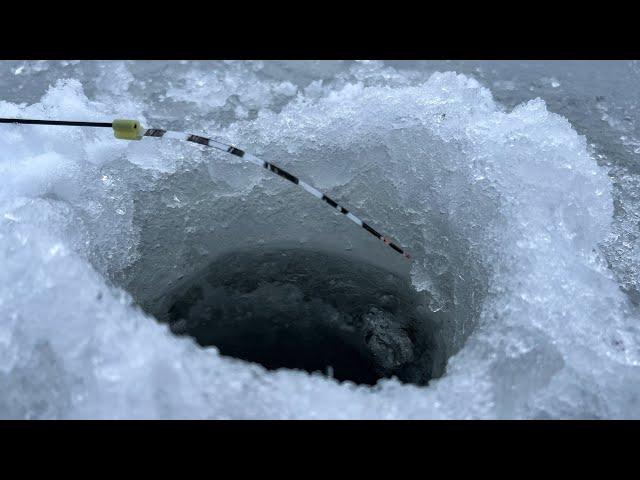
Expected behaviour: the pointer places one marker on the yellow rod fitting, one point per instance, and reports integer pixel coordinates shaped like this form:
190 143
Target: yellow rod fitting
127 129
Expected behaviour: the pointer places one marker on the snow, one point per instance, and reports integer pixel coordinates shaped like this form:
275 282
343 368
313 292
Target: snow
523 239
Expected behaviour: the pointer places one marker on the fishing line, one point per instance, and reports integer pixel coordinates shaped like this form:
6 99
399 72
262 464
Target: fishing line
133 130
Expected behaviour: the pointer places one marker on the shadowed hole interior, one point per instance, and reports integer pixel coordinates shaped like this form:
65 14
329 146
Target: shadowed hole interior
308 310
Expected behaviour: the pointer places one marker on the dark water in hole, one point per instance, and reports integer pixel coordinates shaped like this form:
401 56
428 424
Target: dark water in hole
311 311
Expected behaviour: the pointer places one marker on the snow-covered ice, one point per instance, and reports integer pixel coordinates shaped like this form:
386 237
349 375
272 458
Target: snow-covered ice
523 230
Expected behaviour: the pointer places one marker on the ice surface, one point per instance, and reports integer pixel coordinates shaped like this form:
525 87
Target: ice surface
524 236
